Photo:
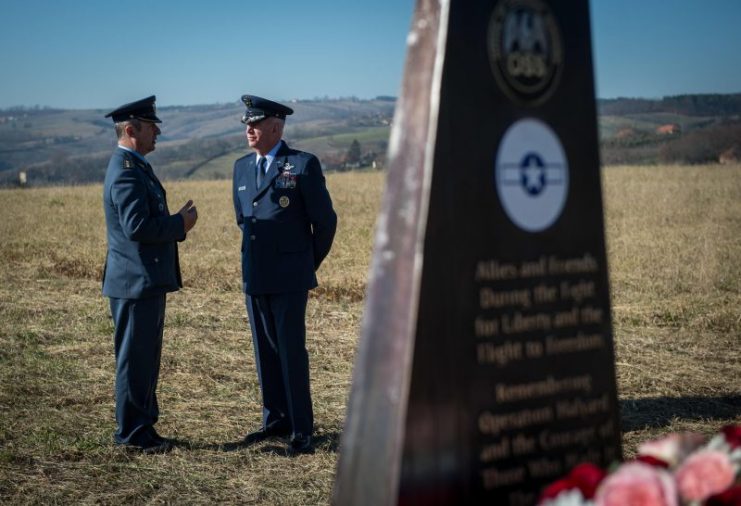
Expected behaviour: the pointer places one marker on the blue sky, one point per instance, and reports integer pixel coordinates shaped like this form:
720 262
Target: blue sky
101 53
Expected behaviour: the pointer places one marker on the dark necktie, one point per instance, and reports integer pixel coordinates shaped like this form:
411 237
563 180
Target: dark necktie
260 171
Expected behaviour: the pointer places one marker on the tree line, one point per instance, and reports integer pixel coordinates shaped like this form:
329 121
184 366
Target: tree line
689 105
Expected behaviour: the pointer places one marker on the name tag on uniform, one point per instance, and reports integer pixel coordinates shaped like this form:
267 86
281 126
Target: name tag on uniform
241 188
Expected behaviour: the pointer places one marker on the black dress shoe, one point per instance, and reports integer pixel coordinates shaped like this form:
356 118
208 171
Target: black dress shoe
156 447
156 437
264 433
150 447
301 443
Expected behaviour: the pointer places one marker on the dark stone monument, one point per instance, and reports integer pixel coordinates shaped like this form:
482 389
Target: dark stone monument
486 368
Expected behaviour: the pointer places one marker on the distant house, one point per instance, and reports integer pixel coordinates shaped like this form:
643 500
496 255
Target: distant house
730 155
669 129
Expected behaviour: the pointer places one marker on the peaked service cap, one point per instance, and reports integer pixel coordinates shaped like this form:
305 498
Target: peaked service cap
143 110
259 108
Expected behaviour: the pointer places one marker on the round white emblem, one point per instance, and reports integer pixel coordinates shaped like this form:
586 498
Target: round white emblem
532 175
284 201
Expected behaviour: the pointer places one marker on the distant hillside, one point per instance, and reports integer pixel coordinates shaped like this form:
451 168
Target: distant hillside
679 129
73 146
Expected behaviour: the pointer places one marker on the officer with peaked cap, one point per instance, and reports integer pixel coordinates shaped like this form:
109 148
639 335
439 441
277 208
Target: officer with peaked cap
288 224
141 267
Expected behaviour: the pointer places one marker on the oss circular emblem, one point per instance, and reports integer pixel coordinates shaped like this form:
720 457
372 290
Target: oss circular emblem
525 50
531 175
284 201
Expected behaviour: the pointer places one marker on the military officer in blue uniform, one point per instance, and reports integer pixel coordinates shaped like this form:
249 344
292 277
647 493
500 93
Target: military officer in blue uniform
141 267
288 224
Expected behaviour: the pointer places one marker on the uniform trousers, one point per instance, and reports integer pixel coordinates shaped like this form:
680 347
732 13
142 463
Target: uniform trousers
138 346
278 329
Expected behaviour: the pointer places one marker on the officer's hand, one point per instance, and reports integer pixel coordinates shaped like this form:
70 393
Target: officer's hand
189 214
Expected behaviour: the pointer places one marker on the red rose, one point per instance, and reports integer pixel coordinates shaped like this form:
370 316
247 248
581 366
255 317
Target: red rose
732 434
555 488
731 497
586 477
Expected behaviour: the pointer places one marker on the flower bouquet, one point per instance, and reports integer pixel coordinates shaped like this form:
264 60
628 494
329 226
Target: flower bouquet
681 469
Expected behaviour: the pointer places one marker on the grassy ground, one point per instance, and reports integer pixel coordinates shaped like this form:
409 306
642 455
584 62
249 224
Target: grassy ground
674 249
674 246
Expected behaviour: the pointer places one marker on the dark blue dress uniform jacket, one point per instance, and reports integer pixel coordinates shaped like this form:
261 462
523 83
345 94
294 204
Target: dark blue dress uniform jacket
142 255
288 224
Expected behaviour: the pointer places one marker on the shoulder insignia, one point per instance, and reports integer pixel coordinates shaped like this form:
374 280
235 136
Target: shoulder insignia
127 164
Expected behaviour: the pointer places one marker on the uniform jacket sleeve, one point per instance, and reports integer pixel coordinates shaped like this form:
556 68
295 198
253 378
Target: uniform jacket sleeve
319 208
235 197
138 222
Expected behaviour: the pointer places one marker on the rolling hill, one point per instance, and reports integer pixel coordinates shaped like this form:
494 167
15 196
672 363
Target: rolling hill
72 146
55 146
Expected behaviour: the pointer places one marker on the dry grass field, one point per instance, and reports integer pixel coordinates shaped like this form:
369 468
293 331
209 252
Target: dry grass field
674 244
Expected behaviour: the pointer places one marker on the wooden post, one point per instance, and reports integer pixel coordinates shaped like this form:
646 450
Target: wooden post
372 440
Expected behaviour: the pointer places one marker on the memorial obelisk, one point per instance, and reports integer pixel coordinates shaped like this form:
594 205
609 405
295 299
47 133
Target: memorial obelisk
485 368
